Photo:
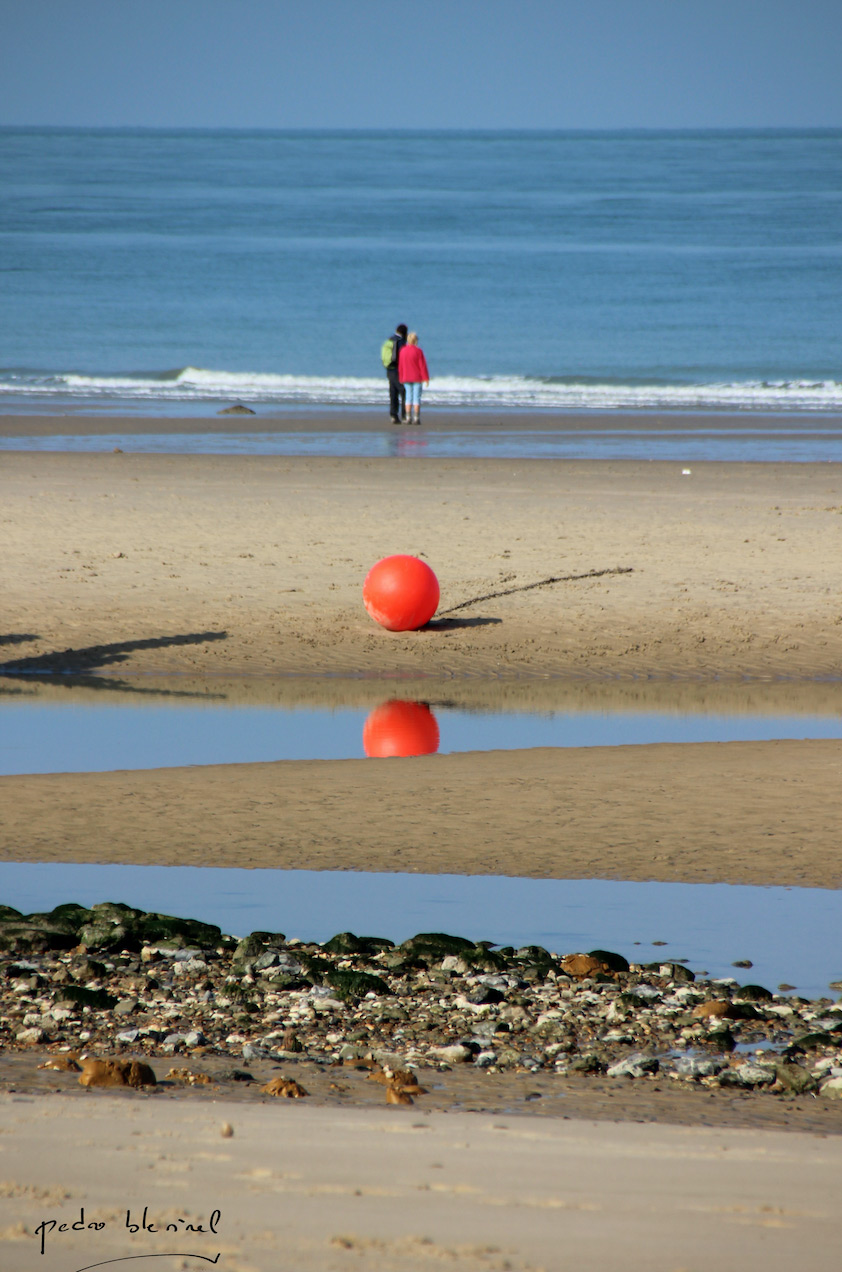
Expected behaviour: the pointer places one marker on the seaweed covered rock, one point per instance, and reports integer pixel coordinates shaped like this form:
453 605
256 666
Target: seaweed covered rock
348 943
351 985
167 931
431 947
33 934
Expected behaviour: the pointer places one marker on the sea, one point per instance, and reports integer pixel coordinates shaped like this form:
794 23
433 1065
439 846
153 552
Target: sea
169 271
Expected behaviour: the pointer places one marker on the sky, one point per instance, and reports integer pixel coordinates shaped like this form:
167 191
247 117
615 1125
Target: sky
438 64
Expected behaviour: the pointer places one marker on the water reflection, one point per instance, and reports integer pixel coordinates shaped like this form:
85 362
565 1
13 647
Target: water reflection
399 728
407 445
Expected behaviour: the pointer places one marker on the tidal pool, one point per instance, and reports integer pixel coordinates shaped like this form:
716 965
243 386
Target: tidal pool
124 731
790 935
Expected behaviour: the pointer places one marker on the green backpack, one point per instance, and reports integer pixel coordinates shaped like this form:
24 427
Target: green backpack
387 352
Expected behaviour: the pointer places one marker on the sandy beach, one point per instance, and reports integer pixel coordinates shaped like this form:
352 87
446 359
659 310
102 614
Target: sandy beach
164 571
301 1187
245 565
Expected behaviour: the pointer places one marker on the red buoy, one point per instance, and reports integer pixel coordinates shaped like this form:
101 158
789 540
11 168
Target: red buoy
401 593
400 728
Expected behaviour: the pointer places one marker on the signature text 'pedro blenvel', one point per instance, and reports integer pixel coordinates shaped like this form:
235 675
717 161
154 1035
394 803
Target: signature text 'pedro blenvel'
134 1224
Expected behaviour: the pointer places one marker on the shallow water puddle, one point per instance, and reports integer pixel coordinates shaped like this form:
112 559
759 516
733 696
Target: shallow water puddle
813 441
790 935
124 732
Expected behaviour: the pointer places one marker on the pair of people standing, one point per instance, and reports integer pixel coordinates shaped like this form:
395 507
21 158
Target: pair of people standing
407 372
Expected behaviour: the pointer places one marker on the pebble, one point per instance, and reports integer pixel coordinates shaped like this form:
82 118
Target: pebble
153 985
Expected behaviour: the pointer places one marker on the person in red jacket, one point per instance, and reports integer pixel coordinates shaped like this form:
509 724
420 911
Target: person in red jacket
412 372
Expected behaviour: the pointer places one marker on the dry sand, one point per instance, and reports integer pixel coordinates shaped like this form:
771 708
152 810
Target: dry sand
401 1190
123 564
152 563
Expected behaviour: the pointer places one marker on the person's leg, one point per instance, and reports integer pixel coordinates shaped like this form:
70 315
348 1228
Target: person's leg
402 388
395 403
418 405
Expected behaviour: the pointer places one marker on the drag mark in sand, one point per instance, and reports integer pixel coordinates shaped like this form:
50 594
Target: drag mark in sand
528 587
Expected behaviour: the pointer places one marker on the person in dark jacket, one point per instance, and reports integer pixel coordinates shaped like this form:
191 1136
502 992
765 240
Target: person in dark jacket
397 393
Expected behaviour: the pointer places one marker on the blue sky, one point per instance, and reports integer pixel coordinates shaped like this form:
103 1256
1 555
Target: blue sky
439 64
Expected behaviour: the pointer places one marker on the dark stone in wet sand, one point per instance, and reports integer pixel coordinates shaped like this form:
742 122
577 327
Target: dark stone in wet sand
237 409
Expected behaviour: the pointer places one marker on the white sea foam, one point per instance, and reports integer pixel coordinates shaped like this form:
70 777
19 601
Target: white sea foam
459 392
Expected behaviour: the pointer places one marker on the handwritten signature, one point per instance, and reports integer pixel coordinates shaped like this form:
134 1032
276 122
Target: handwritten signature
139 1224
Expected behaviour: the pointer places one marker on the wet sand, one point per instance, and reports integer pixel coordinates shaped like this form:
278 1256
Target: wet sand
739 812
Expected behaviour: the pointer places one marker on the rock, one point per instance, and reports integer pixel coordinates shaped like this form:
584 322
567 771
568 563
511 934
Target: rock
97 999
349 985
634 1066
116 1073
396 1096
743 962
695 1067
832 1089
794 1080
748 1074
485 996
811 1041
753 993
347 943
673 971
432 947
124 1007
166 930
194 1038
26 937
30 1037
484 1059
580 966
128 1036
589 1062
456 1054
286 1088
610 962
237 409
189 1077
251 1053
712 1007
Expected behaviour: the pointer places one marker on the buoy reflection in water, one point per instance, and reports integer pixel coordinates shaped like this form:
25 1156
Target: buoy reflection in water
400 728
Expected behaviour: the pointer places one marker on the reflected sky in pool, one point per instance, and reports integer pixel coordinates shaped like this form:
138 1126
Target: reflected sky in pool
42 737
790 935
